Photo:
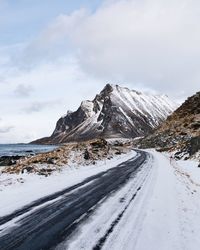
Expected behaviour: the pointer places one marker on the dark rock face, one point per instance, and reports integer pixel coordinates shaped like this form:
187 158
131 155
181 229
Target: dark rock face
9 160
181 130
115 112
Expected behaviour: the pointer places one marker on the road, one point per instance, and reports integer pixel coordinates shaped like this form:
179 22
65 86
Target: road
47 222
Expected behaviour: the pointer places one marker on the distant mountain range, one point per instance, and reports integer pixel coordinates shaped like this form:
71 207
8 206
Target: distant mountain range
180 132
115 112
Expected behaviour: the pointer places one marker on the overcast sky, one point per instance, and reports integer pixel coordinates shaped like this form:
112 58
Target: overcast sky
53 54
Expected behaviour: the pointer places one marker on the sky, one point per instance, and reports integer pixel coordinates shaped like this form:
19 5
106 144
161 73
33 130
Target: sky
54 54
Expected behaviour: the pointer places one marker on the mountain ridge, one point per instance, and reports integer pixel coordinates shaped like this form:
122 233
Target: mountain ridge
180 132
114 112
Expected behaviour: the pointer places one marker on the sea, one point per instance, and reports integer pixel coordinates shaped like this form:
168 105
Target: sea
24 149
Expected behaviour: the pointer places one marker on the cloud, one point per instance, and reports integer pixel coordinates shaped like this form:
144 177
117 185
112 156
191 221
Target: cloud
155 43
23 90
58 87
40 106
52 43
5 129
144 45
148 44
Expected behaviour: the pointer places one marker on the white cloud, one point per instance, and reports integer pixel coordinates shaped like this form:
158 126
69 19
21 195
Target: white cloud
5 129
51 44
23 90
40 106
150 43
57 87
147 45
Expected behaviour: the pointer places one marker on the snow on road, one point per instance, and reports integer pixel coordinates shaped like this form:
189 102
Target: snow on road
158 209
95 231
19 190
161 223
164 214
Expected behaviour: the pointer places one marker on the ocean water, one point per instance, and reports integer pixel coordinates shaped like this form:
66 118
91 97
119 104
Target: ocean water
24 149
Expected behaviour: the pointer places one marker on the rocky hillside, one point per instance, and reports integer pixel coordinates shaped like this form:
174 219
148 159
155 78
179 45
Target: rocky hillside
180 132
115 112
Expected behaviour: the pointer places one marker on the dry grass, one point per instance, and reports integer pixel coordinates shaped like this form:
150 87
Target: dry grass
75 154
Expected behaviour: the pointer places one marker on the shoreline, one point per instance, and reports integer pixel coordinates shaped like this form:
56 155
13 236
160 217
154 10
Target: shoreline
69 154
11 153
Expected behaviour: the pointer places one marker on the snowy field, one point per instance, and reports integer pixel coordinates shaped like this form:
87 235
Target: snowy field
158 210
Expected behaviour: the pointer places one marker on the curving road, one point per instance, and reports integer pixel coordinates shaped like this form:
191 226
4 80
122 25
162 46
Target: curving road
48 221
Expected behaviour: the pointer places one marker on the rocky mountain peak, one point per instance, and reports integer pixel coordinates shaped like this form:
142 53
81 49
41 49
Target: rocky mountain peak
114 112
87 107
108 88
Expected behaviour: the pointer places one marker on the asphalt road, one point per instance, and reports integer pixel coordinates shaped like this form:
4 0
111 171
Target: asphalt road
48 221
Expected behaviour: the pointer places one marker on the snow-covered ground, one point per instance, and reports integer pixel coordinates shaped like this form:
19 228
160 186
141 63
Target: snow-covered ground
17 190
164 215
171 212
158 209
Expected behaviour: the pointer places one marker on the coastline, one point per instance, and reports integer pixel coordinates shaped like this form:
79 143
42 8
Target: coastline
84 153
11 153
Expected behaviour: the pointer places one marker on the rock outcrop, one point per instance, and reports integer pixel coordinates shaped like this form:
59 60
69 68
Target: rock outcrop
180 132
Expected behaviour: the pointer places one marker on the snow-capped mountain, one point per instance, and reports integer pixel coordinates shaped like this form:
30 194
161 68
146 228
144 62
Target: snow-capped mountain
115 112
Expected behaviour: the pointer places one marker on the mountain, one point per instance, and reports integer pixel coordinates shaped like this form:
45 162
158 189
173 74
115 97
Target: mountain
115 112
180 132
